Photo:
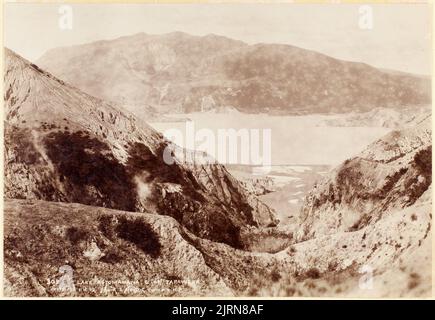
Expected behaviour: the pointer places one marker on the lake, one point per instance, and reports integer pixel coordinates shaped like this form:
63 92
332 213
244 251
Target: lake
295 140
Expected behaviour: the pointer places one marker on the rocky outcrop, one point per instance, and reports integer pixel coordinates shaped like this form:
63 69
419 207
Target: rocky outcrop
177 72
64 145
392 173
259 186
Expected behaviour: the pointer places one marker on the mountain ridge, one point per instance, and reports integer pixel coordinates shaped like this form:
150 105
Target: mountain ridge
182 73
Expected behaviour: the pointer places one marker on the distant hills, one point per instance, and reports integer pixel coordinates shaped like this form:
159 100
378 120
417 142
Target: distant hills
177 72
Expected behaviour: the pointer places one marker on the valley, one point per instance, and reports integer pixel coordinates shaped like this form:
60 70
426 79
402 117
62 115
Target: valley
310 147
93 209
288 187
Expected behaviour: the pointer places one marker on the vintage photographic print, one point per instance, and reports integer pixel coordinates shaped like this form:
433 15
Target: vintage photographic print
217 150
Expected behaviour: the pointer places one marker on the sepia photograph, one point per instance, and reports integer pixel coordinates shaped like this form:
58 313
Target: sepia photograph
217 150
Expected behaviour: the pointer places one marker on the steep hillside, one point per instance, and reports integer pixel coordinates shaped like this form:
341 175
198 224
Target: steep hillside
389 258
177 72
64 145
392 173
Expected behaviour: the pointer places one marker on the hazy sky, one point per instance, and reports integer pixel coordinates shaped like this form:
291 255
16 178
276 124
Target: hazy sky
400 38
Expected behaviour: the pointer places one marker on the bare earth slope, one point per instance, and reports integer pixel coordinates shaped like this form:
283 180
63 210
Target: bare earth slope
112 253
177 72
115 253
392 173
64 145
